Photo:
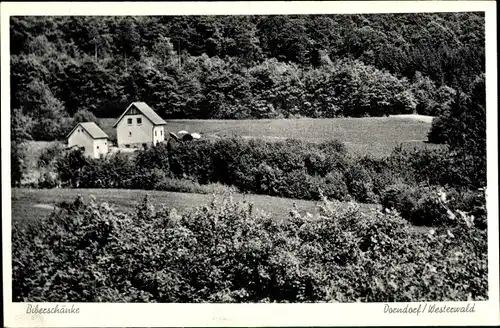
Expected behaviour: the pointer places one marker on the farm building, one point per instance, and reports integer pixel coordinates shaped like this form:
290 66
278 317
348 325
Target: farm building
90 137
139 126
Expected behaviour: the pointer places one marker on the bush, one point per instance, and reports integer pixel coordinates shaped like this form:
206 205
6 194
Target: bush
179 185
438 167
82 116
229 252
155 157
360 184
289 168
273 168
69 167
48 180
428 206
332 186
50 155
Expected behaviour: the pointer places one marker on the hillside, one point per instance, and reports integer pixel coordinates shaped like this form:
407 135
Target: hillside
235 67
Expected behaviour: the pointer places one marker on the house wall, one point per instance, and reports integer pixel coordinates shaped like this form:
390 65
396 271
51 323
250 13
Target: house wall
93 147
134 134
81 138
100 147
158 134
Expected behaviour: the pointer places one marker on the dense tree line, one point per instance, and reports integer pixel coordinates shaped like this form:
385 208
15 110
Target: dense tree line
242 66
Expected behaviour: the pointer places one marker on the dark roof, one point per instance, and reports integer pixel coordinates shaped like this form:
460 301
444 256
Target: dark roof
146 111
92 129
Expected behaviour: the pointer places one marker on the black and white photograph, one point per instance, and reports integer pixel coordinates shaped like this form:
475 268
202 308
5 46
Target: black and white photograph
249 158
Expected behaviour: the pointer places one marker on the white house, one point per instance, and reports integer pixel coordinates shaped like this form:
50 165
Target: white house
90 137
139 126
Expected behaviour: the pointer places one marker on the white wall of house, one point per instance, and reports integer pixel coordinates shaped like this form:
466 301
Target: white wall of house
100 147
81 138
136 130
158 134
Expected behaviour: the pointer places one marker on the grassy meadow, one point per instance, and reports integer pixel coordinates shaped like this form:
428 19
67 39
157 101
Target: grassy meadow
31 204
376 136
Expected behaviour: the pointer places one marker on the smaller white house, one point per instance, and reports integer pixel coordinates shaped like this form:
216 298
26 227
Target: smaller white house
90 137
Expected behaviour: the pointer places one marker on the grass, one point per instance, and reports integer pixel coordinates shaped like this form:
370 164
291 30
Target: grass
376 136
29 205
372 135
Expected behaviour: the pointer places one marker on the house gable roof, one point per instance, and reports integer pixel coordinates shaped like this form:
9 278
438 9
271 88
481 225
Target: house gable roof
92 129
146 111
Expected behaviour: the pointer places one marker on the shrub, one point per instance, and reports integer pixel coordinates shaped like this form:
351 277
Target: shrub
401 198
438 167
289 168
83 115
48 180
229 252
180 185
332 186
155 157
147 179
419 205
426 205
49 155
70 166
274 168
360 184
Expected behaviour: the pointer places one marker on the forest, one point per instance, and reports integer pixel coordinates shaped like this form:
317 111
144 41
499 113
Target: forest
233 67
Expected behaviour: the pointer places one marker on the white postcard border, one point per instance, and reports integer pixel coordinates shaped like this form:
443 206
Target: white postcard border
203 315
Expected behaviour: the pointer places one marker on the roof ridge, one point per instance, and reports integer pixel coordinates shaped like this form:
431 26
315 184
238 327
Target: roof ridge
97 134
145 110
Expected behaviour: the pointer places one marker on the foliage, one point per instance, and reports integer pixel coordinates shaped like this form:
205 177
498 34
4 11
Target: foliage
430 206
50 155
240 66
291 168
187 186
82 116
228 252
366 91
18 136
463 127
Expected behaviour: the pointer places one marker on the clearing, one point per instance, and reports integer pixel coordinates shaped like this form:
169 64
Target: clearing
28 205
371 135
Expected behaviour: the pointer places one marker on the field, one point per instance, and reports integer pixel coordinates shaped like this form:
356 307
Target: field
376 136
30 204
372 135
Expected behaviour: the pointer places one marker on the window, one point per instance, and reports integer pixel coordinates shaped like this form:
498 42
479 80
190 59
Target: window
127 146
105 143
129 121
161 132
97 147
139 120
155 133
129 134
